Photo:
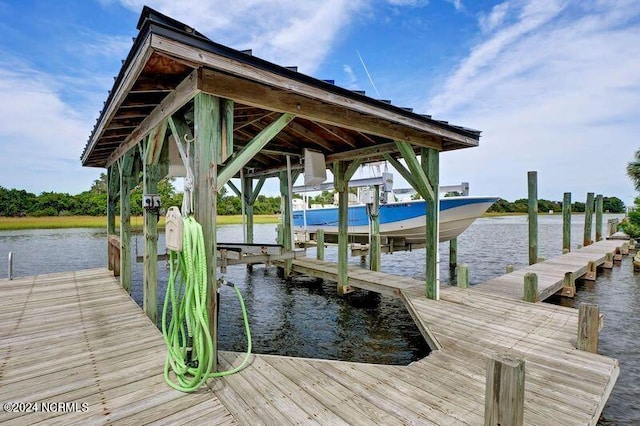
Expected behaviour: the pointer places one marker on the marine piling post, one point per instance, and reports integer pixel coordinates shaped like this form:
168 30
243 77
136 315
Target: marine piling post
599 209
532 178
566 222
588 219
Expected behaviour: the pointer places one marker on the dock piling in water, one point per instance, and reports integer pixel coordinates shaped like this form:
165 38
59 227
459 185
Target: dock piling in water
510 268
532 178
453 253
599 208
588 327
588 219
566 222
320 244
10 267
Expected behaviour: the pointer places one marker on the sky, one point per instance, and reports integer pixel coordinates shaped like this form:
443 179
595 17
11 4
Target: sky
554 85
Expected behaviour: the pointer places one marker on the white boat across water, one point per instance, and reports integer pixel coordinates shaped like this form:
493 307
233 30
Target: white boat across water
406 219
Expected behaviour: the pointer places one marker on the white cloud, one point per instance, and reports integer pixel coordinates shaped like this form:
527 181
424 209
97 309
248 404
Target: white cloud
287 32
41 137
495 18
558 91
351 76
457 4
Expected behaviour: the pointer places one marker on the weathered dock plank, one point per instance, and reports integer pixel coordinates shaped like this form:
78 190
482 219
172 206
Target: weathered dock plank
79 337
550 272
102 350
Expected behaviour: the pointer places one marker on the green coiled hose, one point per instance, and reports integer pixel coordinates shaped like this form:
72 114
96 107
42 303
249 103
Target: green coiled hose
190 348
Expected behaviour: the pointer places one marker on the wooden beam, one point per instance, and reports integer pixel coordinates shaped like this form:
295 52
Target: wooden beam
406 174
320 244
339 133
256 94
155 142
276 83
185 91
135 68
207 144
311 136
247 195
257 189
419 175
234 188
252 148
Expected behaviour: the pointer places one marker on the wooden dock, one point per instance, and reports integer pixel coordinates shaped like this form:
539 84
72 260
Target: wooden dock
78 337
551 272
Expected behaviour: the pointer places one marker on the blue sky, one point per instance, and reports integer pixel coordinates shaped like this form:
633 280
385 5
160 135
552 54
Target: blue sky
553 84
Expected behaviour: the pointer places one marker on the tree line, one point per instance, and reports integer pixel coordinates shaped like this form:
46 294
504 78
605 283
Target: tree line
16 202
609 205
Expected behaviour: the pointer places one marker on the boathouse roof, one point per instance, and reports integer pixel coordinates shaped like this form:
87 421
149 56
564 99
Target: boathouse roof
170 62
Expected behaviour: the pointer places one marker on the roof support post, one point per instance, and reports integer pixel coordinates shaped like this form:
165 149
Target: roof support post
252 148
249 193
125 165
430 159
151 175
285 209
342 173
113 188
374 223
207 145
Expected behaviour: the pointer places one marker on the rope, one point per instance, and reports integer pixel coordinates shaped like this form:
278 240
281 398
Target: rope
190 348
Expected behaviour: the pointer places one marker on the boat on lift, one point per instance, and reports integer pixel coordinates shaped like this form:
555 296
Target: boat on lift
398 219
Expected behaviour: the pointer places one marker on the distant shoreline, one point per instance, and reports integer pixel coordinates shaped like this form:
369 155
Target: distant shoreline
60 222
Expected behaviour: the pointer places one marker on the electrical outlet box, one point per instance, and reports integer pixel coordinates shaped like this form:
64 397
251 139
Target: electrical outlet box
151 201
366 195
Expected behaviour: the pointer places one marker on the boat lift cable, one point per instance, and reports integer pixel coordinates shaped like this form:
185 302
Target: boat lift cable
190 347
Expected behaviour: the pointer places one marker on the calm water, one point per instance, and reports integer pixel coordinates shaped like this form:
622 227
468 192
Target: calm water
306 318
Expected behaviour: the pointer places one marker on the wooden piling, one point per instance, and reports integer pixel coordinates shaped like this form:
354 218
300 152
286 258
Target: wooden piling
530 287
206 150
463 275
566 222
287 242
608 261
374 241
504 391
591 273
430 162
150 258
588 327
320 244
127 182
569 287
588 219
342 172
453 253
599 208
113 188
510 268
532 205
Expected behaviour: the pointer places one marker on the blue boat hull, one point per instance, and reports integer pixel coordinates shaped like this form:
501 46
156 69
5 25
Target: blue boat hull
400 219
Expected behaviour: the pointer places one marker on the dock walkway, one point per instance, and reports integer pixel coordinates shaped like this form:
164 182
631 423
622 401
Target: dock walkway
78 337
551 272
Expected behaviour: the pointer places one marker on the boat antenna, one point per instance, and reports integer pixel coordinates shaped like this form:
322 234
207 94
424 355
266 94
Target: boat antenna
367 72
